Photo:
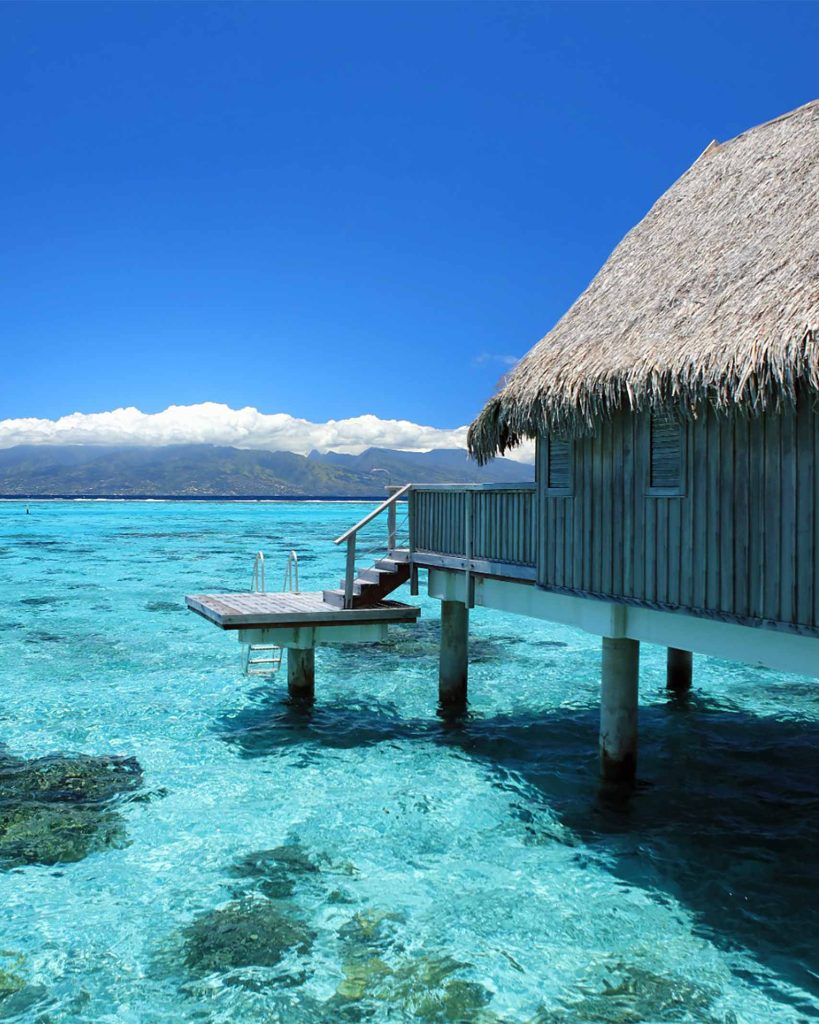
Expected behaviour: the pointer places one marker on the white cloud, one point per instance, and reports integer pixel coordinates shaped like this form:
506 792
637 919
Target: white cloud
492 357
214 423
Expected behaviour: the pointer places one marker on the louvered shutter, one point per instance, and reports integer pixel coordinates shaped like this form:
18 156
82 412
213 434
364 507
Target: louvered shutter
558 476
665 457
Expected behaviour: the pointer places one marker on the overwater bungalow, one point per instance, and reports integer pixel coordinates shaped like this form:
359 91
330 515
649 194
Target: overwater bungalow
676 501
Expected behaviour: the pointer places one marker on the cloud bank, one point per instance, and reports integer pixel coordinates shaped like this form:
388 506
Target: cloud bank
214 423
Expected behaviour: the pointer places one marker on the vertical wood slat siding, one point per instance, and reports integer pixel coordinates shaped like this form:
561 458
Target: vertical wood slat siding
741 540
805 550
597 516
756 532
504 523
626 527
649 588
542 506
687 530
698 454
727 512
741 596
770 608
712 512
815 464
588 511
787 519
607 506
640 504
663 555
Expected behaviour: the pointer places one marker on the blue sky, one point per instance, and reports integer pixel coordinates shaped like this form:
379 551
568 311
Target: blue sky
330 210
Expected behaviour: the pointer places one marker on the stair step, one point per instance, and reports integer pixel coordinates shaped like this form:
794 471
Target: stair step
363 588
389 565
374 583
376 575
370 595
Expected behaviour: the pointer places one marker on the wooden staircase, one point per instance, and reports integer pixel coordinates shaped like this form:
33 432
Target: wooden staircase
374 584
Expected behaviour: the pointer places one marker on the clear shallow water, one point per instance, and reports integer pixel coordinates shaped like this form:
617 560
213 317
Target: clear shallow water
432 870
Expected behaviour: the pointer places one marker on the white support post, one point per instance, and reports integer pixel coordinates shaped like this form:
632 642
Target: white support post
301 673
454 654
679 670
618 708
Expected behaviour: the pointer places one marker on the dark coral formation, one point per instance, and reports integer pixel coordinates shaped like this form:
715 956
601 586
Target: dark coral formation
260 938
248 932
260 926
58 809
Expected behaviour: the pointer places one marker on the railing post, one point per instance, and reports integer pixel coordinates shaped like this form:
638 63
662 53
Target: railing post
349 577
411 522
470 592
391 528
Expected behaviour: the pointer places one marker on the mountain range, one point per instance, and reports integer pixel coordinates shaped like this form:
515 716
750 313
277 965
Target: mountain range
201 471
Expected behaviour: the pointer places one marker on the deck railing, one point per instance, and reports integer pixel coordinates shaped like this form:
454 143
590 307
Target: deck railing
487 529
351 535
484 528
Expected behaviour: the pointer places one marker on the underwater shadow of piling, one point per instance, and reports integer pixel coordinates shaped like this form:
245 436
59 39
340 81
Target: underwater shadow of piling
724 818
274 723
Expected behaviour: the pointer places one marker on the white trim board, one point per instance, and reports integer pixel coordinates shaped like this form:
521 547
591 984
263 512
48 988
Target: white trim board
305 637
766 648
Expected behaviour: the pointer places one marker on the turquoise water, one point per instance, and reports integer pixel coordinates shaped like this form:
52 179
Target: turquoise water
370 860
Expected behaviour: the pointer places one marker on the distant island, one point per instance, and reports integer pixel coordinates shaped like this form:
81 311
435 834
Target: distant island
202 471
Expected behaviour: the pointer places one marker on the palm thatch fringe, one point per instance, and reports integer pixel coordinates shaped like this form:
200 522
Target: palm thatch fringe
713 298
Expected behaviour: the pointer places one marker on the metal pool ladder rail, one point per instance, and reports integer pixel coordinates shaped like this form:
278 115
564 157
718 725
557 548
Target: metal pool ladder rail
291 573
257 580
268 657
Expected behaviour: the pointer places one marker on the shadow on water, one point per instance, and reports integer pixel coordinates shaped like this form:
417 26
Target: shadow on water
724 817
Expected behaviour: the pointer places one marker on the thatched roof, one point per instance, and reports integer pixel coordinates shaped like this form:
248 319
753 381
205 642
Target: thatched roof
713 297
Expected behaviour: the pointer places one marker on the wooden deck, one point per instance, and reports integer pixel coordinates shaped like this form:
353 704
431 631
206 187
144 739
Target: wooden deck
251 611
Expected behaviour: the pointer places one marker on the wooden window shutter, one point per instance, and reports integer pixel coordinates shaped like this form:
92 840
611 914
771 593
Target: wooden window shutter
666 455
558 474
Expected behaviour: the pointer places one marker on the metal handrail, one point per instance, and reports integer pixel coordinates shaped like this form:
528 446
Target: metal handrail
291 573
351 534
376 512
257 583
271 660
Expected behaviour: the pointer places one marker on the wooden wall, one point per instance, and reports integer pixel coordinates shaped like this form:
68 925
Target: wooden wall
740 543
501 522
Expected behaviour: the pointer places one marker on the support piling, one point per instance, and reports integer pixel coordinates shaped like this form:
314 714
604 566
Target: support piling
678 670
454 656
301 673
618 709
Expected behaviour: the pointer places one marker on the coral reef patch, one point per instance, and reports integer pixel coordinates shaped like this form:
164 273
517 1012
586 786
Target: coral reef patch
249 932
60 808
